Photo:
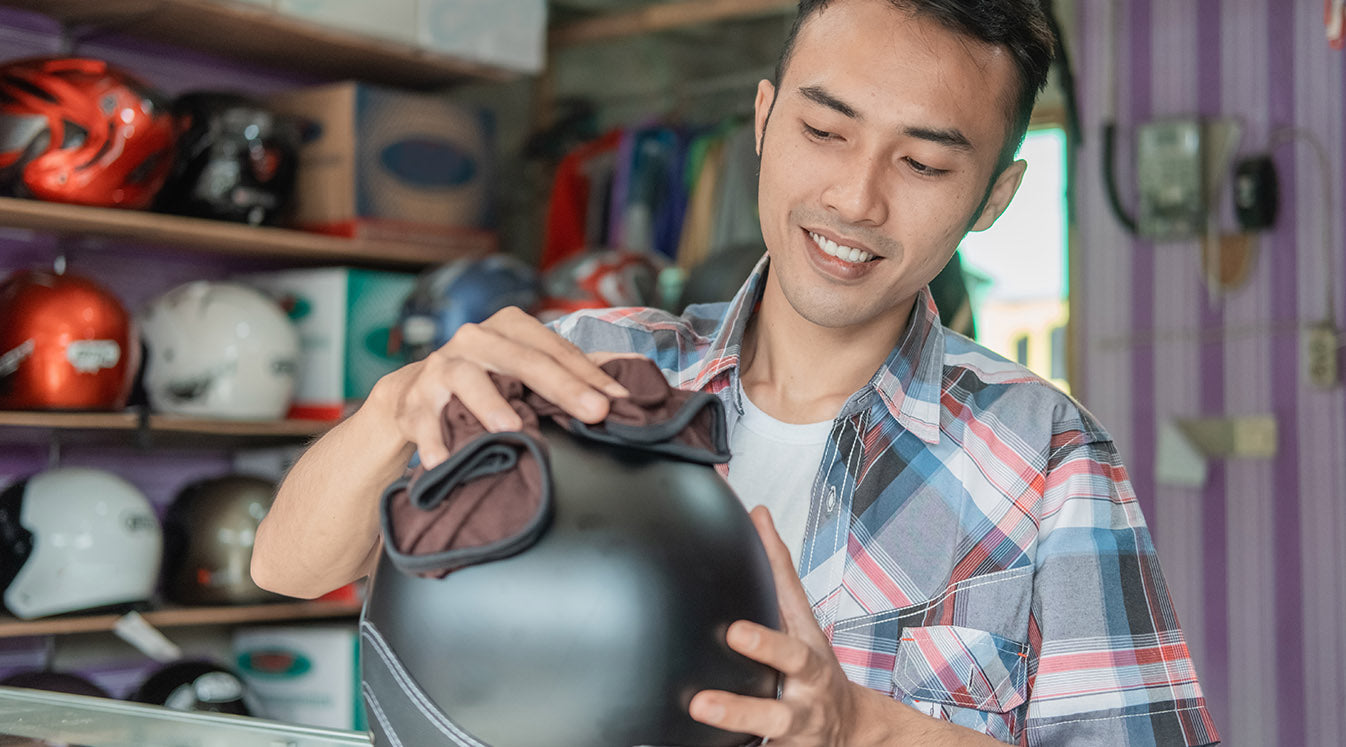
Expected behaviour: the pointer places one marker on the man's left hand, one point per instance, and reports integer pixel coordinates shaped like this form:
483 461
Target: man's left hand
818 704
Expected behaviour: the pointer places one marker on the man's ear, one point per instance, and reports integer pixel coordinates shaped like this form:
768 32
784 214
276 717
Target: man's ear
766 98
1001 193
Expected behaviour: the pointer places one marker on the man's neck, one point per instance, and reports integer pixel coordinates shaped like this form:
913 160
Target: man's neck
799 372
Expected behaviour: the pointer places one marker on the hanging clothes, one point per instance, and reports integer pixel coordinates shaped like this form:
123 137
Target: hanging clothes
567 212
736 222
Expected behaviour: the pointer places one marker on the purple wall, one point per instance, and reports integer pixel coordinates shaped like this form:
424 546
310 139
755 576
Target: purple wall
1254 559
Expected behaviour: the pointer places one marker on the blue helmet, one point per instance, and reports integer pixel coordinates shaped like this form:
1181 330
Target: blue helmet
461 292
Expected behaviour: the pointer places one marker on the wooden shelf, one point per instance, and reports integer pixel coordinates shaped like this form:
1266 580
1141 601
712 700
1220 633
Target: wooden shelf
220 237
182 616
259 35
126 428
662 17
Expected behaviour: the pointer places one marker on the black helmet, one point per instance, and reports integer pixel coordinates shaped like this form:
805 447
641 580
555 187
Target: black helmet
56 682
596 635
195 686
236 159
208 537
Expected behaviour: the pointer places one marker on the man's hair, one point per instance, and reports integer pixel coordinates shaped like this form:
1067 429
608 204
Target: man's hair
1018 25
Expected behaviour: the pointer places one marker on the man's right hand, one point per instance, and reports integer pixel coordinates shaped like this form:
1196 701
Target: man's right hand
323 528
512 343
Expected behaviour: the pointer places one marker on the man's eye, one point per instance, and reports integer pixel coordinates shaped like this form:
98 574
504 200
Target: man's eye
817 134
924 170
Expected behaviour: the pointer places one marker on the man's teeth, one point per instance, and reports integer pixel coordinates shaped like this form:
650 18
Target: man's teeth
846 253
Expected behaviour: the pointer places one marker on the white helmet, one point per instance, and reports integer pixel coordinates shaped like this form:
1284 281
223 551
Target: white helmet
219 350
76 538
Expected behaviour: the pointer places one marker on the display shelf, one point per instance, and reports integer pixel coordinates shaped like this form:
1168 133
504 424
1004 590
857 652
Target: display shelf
219 237
661 17
130 428
256 34
182 617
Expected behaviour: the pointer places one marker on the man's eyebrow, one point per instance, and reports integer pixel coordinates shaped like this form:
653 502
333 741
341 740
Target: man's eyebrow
950 138
819 96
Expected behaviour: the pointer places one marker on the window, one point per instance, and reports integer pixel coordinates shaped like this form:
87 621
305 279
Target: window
1017 269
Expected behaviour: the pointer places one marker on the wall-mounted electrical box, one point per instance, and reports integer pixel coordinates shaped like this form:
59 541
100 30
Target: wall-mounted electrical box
1170 168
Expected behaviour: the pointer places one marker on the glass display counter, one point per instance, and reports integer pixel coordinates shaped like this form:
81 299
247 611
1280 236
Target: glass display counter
35 717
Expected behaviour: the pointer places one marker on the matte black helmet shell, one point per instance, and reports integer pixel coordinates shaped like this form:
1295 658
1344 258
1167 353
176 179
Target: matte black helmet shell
598 635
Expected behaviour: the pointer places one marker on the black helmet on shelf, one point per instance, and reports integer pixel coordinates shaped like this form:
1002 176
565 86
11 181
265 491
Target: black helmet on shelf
236 159
56 682
596 635
195 686
208 538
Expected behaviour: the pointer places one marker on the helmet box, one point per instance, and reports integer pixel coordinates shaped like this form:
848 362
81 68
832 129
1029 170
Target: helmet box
302 674
345 317
383 163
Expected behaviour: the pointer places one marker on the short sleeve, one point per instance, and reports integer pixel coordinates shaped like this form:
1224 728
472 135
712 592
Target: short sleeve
1110 664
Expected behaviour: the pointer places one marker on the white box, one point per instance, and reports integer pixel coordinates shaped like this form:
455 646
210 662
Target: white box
508 33
388 19
344 316
303 674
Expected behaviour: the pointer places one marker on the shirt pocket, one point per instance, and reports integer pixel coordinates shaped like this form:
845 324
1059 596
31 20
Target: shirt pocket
962 667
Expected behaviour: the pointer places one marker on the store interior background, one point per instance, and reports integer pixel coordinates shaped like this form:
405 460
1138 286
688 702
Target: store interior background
1252 552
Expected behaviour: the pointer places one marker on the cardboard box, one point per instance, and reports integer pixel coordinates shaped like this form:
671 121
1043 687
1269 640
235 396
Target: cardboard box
388 19
303 674
507 33
407 164
344 316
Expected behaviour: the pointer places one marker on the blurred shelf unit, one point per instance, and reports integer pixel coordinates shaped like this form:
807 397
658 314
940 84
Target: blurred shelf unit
221 237
253 33
136 429
183 616
661 16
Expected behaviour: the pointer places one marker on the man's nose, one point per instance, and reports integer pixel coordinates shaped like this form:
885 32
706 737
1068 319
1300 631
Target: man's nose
857 193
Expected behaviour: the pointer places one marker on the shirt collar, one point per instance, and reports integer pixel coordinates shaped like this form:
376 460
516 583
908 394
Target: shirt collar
909 382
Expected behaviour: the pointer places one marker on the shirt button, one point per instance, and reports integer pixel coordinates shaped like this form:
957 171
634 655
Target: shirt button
831 498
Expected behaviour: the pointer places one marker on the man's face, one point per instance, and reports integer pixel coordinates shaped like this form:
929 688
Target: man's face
883 140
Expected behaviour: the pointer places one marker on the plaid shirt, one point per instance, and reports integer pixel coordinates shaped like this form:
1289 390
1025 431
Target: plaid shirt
973 546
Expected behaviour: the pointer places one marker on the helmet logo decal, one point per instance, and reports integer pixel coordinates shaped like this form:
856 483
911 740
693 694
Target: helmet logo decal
429 163
275 662
380 344
92 356
190 389
9 362
140 522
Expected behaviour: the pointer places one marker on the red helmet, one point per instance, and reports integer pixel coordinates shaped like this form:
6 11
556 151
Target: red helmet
600 279
78 130
65 344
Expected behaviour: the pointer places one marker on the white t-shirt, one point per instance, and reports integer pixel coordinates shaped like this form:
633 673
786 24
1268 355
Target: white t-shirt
773 464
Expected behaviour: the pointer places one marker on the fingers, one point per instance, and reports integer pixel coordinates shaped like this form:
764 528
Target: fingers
517 325
738 713
780 651
796 612
510 343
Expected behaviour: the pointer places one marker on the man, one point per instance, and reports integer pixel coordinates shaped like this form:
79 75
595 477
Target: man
974 565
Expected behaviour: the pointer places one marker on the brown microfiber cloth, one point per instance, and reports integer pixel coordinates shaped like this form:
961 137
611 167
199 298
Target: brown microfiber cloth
492 497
